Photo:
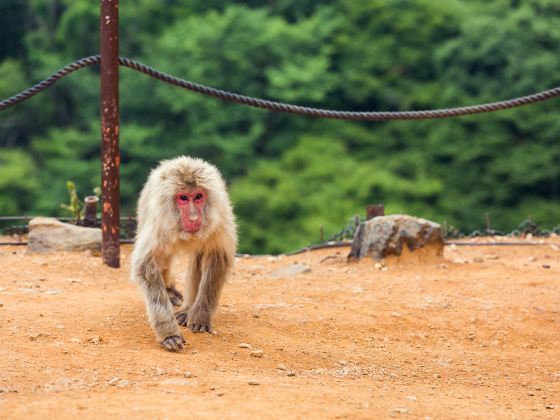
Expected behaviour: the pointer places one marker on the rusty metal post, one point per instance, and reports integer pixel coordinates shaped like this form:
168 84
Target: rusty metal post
374 210
110 154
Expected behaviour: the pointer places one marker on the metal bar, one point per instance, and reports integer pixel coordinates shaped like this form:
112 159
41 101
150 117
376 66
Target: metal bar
110 154
8 218
375 210
23 243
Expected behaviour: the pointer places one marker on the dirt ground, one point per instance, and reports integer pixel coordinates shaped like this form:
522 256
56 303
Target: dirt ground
475 334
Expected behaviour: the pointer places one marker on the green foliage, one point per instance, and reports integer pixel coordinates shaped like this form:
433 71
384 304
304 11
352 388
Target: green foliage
18 182
291 175
329 188
76 205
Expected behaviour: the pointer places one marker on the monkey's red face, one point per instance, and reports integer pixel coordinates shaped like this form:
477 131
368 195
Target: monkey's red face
191 209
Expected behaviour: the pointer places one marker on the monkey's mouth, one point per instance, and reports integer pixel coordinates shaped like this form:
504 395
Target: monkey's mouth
191 227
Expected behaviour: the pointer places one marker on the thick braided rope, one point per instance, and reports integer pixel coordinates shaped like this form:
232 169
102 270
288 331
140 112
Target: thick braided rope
283 107
51 80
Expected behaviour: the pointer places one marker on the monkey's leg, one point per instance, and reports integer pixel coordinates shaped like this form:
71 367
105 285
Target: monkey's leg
215 266
159 307
192 282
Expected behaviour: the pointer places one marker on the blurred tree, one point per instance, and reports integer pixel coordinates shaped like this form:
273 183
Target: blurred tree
286 170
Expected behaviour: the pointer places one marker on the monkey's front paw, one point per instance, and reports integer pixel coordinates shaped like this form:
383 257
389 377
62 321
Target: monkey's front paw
175 296
173 343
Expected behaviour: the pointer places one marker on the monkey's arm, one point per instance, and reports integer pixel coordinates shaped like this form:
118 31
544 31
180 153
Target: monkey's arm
158 306
216 265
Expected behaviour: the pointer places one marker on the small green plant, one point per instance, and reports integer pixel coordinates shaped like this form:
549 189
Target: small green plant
76 205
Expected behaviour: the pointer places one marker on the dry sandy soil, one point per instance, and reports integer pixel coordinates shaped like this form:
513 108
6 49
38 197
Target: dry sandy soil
473 335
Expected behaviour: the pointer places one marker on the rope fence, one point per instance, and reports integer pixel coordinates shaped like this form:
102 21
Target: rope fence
280 106
110 61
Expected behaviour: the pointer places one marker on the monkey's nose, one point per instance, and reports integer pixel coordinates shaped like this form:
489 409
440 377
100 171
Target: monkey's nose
193 218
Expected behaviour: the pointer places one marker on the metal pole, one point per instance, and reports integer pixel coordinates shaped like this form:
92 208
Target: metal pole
375 210
110 155
90 212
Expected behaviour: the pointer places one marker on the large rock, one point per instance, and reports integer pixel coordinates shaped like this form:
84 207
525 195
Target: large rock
49 235
387 235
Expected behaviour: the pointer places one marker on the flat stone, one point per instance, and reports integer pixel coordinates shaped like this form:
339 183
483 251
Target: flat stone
47 234
291 270
388 235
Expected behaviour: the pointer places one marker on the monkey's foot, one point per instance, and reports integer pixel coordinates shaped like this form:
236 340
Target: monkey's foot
175 296
199 321
173 343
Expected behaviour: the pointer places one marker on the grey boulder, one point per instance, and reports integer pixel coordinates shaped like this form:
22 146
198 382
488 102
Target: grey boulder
388 235
47 234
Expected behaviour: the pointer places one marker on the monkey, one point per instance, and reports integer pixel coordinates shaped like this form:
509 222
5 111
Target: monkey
184 207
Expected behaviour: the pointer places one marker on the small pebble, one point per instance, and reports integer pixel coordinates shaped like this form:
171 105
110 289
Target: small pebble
244 346
281 366
220 394
159 371
396 314
95 339
550 407
1 304
492 256
75 340
257 353
546 266
253 382
256 316
478 260
123 383
187 374
113 381
291 373
532 259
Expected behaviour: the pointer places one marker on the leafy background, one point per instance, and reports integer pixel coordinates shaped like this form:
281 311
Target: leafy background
290 175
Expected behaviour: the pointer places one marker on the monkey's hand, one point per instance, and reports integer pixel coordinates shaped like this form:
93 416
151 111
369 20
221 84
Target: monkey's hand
175 297
198 320
173 343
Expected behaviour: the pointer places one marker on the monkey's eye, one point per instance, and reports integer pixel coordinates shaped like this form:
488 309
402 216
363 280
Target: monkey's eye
184 197
198 197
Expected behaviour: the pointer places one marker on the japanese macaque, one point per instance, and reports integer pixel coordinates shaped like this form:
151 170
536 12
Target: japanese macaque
183 207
